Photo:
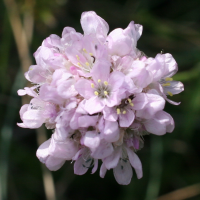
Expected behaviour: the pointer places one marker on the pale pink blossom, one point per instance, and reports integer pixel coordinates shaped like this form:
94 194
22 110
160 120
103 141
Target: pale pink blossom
163 67
100 95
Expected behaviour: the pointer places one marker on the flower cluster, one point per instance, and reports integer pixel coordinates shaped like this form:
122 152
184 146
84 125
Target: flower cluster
100 95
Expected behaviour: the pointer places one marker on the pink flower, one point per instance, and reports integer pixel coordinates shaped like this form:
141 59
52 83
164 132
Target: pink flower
100 95
99 147
84 161
123 42
36 113
121 161
92 24
125 112
51 162
163 67
105 90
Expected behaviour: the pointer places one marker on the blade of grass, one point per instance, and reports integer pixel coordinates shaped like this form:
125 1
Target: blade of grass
4 52
155 168
6 134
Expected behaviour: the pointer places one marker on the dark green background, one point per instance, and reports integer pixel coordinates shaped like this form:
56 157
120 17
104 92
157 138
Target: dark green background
169 162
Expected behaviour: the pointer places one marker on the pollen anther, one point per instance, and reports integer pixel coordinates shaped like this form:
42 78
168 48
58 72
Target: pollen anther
132 104
170 94
91 54
166 84
79 64
129 100
77 57
124 112
169 79
105 83
92 85
105 92
84 50
96 93
99 80
118 111
87 63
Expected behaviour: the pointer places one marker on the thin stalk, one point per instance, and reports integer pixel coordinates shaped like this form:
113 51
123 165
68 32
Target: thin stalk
47 176
183 193
22 39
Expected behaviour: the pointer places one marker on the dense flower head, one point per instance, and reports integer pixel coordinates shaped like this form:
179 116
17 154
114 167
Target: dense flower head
100 95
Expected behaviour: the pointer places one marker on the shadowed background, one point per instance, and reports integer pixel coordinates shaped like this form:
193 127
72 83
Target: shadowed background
171 163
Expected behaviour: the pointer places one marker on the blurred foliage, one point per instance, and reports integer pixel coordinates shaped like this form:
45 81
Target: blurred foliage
169 162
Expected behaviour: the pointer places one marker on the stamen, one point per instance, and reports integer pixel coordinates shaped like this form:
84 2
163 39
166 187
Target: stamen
87 63
99 80
105 83
169 79
105 92
77 57
132 104
170 94
129 100
124 112
84 50
96 93
118 111
92 85
166 84
79 64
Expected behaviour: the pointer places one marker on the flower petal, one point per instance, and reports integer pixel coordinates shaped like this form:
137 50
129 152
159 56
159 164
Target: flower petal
160 124
101 71
175 88
125 120
53 163
43 151
94 169
83 87
86 120
140 101
103 170
103 150
23 109
116 80
93 24
63 149
111 131
91 139
79 166
94 105
155 104
110 114
112 160
135 162
48 93
37 74
123 172
33 118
